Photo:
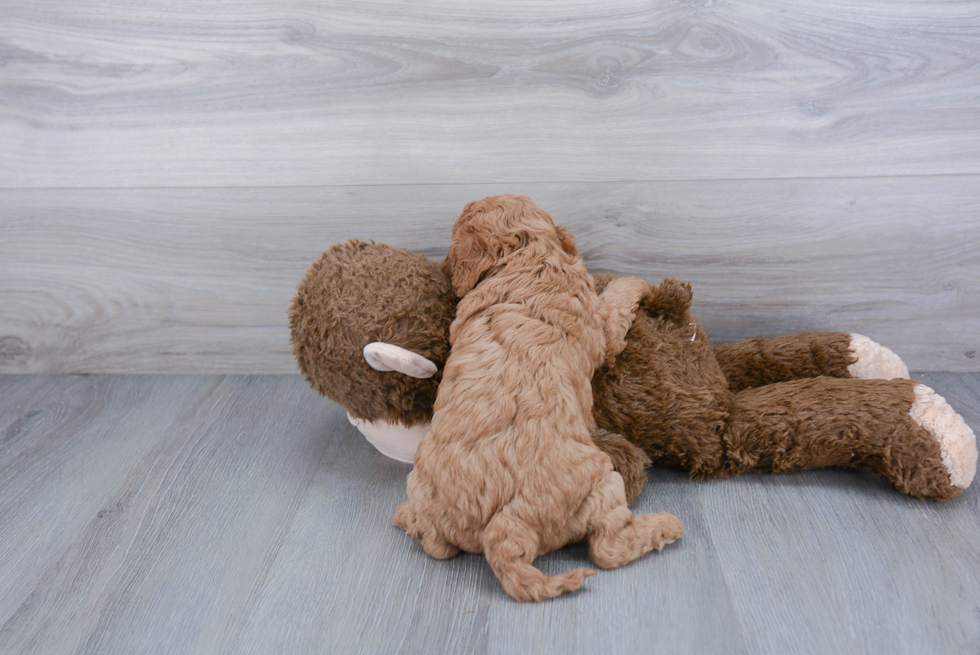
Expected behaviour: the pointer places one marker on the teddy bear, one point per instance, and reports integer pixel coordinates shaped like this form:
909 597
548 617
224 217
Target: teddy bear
370 330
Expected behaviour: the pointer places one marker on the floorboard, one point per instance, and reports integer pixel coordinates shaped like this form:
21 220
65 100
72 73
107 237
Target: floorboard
244 514
188 534
61 459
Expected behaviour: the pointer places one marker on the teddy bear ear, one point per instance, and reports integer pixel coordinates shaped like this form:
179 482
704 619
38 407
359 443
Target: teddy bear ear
383 356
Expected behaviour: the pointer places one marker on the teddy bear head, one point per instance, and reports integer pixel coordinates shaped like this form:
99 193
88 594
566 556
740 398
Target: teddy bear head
370 330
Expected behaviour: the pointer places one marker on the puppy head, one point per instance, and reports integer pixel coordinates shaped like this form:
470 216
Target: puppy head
493 228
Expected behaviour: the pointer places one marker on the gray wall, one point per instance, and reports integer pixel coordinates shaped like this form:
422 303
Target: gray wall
168 170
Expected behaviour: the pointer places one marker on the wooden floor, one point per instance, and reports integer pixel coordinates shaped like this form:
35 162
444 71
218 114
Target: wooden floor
192 514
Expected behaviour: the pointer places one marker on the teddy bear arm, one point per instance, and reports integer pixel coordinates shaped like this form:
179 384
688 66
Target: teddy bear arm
761 361
628 460
671 300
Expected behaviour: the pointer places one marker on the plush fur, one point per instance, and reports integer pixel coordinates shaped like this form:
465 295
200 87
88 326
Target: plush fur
628 460
765 404
672 405
796 406
348 299
957 443
509 467
872 361
757 362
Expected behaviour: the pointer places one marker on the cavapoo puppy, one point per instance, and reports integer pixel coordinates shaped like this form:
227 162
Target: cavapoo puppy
508 467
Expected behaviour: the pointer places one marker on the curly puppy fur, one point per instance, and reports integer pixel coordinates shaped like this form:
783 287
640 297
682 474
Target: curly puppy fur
509 467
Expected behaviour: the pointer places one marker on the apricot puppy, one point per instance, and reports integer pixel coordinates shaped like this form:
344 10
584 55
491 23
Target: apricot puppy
508 467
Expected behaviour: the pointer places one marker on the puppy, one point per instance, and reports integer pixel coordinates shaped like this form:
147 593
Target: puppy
508 467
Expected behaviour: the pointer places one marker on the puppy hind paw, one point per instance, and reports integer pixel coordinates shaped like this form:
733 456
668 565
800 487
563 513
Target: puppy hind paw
667 528
874 361
956 439
403 517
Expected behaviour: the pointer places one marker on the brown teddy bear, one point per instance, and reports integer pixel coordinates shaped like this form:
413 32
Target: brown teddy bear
370 326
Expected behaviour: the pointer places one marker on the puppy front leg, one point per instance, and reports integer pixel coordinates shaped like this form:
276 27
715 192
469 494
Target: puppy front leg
618 304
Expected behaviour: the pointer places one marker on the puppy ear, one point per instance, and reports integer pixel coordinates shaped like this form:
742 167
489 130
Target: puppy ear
468 259
566 240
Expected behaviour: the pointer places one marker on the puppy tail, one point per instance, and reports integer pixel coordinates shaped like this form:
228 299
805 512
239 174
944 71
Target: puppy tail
510 546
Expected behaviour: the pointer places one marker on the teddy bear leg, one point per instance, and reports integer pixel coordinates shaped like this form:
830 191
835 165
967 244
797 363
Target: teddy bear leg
874 361
957 441
760 361
899 429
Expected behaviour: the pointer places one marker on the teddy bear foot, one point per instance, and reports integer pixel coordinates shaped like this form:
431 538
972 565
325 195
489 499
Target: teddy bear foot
956 440
874 361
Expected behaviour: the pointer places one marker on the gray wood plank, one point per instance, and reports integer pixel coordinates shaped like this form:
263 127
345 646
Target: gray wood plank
674 601
359 585
351 579
169 561
245 93
17 395
199 280
256 519
831 562
65 453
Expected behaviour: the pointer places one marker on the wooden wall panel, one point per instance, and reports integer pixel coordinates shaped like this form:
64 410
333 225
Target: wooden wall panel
167 171
199 280
302 92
